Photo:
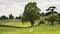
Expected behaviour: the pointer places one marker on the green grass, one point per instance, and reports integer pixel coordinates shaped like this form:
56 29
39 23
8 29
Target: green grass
42 29
14 23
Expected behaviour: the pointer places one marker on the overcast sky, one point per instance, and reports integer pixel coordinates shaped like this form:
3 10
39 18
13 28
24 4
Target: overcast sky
16 7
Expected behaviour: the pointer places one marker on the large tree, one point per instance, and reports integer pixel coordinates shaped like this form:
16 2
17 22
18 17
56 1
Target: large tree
31 13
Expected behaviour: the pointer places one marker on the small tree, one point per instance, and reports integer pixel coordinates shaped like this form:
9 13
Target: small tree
19 17
31 13
42 21
11 16
51 18
3 17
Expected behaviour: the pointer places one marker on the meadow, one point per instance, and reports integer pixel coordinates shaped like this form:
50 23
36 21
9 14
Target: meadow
42 29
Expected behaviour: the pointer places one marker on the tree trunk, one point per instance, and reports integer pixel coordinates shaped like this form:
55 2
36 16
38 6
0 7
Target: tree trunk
52 22
59 21
32 22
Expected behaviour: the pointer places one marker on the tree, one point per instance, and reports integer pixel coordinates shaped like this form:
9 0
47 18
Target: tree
16 17
51 9
42 14
51 18
11 16
31 13
59 18
19 17
3 17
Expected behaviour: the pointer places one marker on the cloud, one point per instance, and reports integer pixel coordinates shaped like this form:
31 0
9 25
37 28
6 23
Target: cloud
44 5
21 0
16 7
7 3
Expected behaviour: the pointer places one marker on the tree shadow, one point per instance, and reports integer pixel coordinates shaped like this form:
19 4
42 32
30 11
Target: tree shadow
16 26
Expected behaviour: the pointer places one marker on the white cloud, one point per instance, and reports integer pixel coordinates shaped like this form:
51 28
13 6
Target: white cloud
16 7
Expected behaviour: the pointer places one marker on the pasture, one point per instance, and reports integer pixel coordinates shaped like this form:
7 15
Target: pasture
42 29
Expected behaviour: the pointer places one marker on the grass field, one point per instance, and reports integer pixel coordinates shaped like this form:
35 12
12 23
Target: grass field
42 29
14 23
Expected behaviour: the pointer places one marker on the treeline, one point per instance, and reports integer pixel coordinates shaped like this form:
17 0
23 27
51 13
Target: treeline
3 17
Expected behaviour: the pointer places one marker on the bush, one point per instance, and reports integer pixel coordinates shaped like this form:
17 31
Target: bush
42 21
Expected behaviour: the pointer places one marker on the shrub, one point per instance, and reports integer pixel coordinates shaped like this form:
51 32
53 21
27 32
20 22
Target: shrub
42 21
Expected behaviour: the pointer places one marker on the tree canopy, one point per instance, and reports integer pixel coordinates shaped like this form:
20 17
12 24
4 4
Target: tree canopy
11 16
52 17
31 12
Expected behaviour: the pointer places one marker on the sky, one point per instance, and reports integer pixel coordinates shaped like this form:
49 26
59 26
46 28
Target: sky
16 7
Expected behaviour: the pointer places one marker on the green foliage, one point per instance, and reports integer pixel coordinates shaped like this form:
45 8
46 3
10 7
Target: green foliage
59 18
11 16
59 15
31 12
52 17
42 21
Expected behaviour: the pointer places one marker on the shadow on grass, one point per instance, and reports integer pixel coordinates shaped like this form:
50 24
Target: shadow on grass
16 26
